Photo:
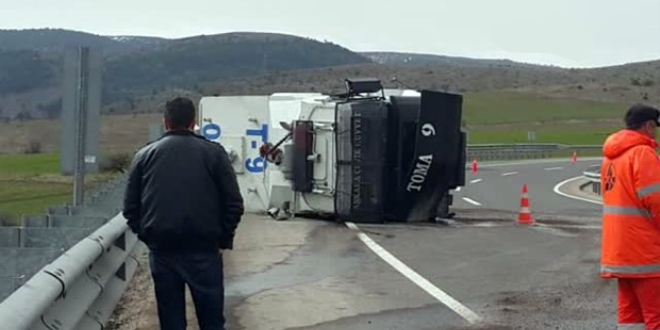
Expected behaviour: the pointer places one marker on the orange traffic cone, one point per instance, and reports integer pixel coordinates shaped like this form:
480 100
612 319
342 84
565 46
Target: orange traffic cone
525 215
574 157
474 167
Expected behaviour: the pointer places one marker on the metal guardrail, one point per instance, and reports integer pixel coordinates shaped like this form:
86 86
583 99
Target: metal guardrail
593 175
81 288
487 152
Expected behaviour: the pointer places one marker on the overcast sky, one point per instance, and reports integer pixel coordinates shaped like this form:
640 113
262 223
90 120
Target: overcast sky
576 33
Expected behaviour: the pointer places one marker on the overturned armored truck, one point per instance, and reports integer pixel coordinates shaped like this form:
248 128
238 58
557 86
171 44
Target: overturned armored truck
368 155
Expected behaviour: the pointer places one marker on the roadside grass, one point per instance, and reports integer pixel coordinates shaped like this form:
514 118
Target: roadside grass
492 108
29 184
507 117
568 134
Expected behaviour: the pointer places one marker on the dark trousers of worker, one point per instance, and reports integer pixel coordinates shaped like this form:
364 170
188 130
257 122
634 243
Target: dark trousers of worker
639 304
203 273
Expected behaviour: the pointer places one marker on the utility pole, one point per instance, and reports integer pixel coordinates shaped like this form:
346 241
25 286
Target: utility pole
81 111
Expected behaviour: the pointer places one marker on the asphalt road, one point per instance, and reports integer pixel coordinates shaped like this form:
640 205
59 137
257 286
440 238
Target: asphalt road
500 188
542 277
483 270
480 271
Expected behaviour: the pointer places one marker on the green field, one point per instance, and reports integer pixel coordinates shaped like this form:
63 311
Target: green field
490 108
31 183
577 135
507 117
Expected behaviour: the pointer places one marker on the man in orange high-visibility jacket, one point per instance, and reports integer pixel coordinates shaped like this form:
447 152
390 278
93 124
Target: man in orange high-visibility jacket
630 185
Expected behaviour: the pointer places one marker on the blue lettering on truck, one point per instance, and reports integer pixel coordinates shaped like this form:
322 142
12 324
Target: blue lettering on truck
258 164
211 131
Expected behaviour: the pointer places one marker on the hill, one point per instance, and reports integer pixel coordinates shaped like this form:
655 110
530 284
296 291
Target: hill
617 85
501 104
57 39
141 72
31 64
627 83
186 62
414 59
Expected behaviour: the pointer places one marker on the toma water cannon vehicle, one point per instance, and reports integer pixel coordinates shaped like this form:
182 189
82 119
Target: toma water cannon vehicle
369 155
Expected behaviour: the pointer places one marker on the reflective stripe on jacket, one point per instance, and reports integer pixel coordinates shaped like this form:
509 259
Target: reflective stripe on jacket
630 185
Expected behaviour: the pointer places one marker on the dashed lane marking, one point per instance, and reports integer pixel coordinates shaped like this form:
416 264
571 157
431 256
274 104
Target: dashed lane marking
476 180
413 276
471 201
554 168
509 173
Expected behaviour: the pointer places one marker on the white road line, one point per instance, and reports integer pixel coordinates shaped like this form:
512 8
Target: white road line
476 180
471 201
427 286
559 192
553 168
509 173
457 189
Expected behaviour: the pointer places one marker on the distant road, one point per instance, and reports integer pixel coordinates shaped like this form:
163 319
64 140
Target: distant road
500 187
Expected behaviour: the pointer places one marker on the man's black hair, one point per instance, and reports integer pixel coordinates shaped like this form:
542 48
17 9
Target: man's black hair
640 114
180 113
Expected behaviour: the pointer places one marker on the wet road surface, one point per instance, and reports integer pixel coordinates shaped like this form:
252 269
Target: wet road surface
312 274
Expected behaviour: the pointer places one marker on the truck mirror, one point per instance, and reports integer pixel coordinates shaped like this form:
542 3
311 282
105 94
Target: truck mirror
286 126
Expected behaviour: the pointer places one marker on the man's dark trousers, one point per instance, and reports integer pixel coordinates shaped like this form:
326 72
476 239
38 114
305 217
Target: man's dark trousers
203 273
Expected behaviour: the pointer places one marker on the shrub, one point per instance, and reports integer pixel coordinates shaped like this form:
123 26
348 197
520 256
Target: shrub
33 147
5 218
116 163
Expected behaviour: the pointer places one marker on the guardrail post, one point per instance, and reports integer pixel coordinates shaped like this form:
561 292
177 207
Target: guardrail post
596 187
593 175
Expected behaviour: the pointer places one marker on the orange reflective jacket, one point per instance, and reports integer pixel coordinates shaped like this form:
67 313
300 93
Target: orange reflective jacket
630 185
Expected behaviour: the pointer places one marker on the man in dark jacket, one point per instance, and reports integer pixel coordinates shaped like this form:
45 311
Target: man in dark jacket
184 203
